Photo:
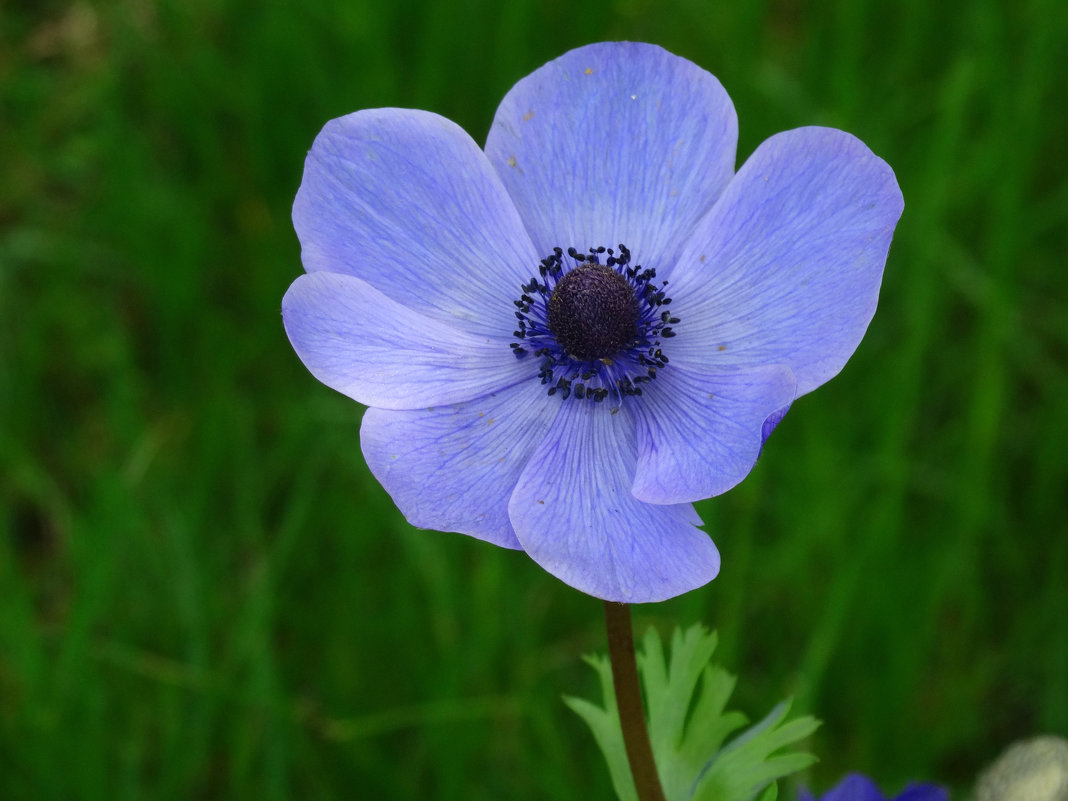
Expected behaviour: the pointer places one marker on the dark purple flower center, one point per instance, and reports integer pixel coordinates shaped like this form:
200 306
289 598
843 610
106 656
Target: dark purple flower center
595 327
593 312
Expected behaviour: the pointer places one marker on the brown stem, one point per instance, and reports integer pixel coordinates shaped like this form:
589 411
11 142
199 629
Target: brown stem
629 702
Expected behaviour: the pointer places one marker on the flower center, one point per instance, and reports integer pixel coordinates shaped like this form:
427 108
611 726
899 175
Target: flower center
594 327
593 312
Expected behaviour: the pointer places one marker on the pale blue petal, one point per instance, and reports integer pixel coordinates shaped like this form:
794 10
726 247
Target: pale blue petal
772 423
699 434
616 142
356 340
786 268
574 514
453 468
408 202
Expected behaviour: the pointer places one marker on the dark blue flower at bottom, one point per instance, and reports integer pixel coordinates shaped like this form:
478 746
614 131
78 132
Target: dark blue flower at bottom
567 338
856 787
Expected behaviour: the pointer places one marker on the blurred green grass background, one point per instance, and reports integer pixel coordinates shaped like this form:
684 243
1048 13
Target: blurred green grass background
204 594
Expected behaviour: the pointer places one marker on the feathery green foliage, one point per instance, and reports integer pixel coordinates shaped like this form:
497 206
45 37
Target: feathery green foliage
686 699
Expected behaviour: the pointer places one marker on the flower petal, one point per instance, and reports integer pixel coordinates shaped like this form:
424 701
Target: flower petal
406 201
855 787
699 434
356 340
786 268
772 422
924 792
453 468
574 514
615 142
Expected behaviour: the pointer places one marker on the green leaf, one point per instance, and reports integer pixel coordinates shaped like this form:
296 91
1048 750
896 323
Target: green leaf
604 723
686 699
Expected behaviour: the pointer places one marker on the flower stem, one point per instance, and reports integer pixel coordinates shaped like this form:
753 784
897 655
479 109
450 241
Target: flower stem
629 702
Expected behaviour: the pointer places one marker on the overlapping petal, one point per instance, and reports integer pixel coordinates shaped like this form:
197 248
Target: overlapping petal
786 268
772 422
854 787
615 142
408 202
363 344
453 468
699 433
857 787
574 514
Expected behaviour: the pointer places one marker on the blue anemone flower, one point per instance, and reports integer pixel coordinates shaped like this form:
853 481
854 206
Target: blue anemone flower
856 787
569 337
